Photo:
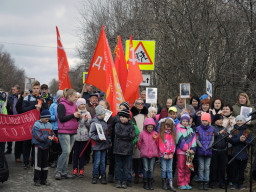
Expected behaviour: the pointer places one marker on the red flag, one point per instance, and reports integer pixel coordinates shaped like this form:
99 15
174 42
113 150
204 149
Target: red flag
134 77
102 73
63 66
120 64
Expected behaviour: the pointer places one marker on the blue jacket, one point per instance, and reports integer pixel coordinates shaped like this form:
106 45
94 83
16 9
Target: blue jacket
204 135
53 111
40 132
237 145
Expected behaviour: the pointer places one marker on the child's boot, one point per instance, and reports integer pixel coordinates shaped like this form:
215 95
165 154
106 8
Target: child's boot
206 185
103 179
118 184
201 186
81 173
75 171
164 184
95 179
171 185
145 183
150 183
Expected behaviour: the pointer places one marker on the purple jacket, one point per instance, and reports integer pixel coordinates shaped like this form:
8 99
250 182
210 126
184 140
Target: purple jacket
205 137
71 125
146 142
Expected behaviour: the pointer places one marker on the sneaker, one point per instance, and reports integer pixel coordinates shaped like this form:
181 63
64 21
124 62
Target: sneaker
58 176
183 187
81 173
124 186
233 187
118 184
75 172
188 187
45 183
37 183
26 166
67 176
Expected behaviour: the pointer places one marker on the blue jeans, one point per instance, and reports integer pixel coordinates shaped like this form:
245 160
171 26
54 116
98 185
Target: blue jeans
204 168
66 142
129 178
148 167
121 167
99 163
166 168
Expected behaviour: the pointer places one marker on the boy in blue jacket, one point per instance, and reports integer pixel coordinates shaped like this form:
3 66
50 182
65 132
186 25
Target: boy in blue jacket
42 135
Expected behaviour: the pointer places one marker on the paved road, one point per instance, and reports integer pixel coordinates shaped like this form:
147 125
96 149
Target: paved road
21 180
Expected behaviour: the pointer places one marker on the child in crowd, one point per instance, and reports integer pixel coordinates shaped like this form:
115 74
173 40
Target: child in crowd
116 119
30 102
100 143
82 137
219 154
148 145
185 143
204 139
240 137
173 113
42 135
152 114
167 149
124 135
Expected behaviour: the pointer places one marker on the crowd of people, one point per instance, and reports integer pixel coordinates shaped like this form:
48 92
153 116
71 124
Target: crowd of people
194 140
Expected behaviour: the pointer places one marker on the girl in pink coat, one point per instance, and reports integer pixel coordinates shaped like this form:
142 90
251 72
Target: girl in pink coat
167 149
147 143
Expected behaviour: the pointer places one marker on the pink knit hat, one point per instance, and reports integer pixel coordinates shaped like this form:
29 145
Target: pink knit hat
206 117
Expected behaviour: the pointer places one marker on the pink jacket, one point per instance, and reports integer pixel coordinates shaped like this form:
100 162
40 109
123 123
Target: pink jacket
147 142
168 146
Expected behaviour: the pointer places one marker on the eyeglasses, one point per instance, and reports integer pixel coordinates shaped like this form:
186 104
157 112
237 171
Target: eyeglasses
139 103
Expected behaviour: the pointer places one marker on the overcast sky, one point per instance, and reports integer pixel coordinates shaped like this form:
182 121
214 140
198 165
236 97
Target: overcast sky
34 22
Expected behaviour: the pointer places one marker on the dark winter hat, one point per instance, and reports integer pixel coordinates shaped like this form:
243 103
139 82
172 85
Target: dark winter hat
124 113
100 110
93 94
44 86
185 116
217 117
45 114
126 104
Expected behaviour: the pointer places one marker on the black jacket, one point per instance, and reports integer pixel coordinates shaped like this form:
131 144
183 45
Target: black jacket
9 105
217 136
19 105
124 135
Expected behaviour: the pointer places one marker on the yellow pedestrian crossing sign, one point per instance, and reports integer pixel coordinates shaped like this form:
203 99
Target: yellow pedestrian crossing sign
144 52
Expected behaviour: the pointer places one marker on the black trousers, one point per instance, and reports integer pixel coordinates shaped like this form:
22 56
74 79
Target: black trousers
111 168
9 147
18 149
41 164
78 148
54 150
238 167
27 145
218 167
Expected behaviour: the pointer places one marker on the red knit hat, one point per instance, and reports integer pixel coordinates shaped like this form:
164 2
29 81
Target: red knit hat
206 117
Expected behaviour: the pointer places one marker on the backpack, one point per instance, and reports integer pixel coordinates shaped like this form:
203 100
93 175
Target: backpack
4 171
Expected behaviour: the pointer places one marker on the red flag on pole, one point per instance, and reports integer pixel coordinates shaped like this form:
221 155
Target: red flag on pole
63 66
102 73
134 77
120 64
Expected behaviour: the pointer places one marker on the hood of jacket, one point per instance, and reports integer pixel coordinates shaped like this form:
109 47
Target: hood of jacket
149 121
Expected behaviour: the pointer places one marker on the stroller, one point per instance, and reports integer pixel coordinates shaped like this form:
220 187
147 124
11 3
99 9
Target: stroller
4 171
